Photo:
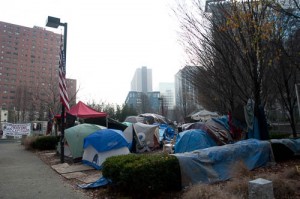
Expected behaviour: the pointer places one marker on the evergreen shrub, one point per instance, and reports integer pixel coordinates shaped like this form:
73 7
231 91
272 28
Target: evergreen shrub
143 175
45 142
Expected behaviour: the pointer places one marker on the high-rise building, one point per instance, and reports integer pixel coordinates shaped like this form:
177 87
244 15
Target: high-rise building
186 96
29 60
167 92
142 80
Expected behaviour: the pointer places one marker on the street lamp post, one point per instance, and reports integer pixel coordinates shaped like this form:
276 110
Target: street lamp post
54 22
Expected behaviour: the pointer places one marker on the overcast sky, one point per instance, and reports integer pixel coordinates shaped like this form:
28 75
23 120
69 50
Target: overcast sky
108 40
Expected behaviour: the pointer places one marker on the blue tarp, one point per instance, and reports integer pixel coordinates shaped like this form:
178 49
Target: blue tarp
99 183
215 164
166 132
193 139
106 140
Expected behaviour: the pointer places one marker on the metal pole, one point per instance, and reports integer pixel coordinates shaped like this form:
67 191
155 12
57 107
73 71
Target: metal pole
62 149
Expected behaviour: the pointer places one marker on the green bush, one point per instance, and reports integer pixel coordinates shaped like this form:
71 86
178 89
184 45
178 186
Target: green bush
45 142
143 175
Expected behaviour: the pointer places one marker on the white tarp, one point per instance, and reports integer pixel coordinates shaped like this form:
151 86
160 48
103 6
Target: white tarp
16 130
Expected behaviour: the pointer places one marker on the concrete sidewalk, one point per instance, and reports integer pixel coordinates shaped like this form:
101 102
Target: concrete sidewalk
24 175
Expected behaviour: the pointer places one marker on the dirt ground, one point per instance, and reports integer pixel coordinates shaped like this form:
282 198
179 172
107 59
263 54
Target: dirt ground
278 170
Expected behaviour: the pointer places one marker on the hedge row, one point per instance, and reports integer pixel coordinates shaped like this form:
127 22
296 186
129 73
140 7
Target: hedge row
45 142
142 175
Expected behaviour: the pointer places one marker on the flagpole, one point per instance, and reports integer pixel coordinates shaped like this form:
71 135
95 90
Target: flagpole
54 22
62 149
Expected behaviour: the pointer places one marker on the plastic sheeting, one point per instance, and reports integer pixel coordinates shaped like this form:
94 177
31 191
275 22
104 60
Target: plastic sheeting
165 132
101 182
215 164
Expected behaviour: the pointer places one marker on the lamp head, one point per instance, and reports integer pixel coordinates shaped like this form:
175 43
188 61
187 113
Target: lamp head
53 22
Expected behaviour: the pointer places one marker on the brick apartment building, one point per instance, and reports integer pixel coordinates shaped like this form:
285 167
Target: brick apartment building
29 60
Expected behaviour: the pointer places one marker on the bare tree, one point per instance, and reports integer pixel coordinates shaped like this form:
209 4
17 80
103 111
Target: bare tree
230 49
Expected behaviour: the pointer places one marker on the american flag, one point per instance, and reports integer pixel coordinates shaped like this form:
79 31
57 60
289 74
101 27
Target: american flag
64 99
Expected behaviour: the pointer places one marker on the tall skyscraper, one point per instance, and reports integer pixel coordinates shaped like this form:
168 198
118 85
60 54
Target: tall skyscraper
186 96
29 60
142 80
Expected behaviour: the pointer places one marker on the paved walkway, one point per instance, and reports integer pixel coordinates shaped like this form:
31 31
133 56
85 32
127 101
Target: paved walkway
24 175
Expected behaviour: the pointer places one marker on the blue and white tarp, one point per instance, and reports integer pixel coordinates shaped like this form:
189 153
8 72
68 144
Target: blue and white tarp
215 164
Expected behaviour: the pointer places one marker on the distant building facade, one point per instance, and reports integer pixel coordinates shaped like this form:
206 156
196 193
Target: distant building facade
143 102
29 69
142 80
141 97
186 95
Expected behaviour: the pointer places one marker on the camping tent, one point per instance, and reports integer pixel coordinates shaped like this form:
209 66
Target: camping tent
134 119
81 110
151 118
146 136
194 139
103 144
74 138
204 115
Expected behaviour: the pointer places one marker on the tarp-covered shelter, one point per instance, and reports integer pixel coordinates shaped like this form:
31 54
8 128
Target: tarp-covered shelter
215 164
81 110
103 144
217 128
74 137
144 137
284 149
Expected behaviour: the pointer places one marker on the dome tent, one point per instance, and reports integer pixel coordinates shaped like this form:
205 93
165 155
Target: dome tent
103 144
74 137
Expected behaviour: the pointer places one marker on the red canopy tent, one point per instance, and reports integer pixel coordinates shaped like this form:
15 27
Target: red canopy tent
81 110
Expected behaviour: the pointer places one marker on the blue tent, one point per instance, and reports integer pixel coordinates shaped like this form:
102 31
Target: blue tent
103 144
193 139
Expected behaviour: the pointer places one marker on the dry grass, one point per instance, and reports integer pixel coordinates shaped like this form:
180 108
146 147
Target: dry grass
206 192
285 183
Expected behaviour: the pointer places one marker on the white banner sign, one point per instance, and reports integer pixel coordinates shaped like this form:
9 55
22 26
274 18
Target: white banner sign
16 130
